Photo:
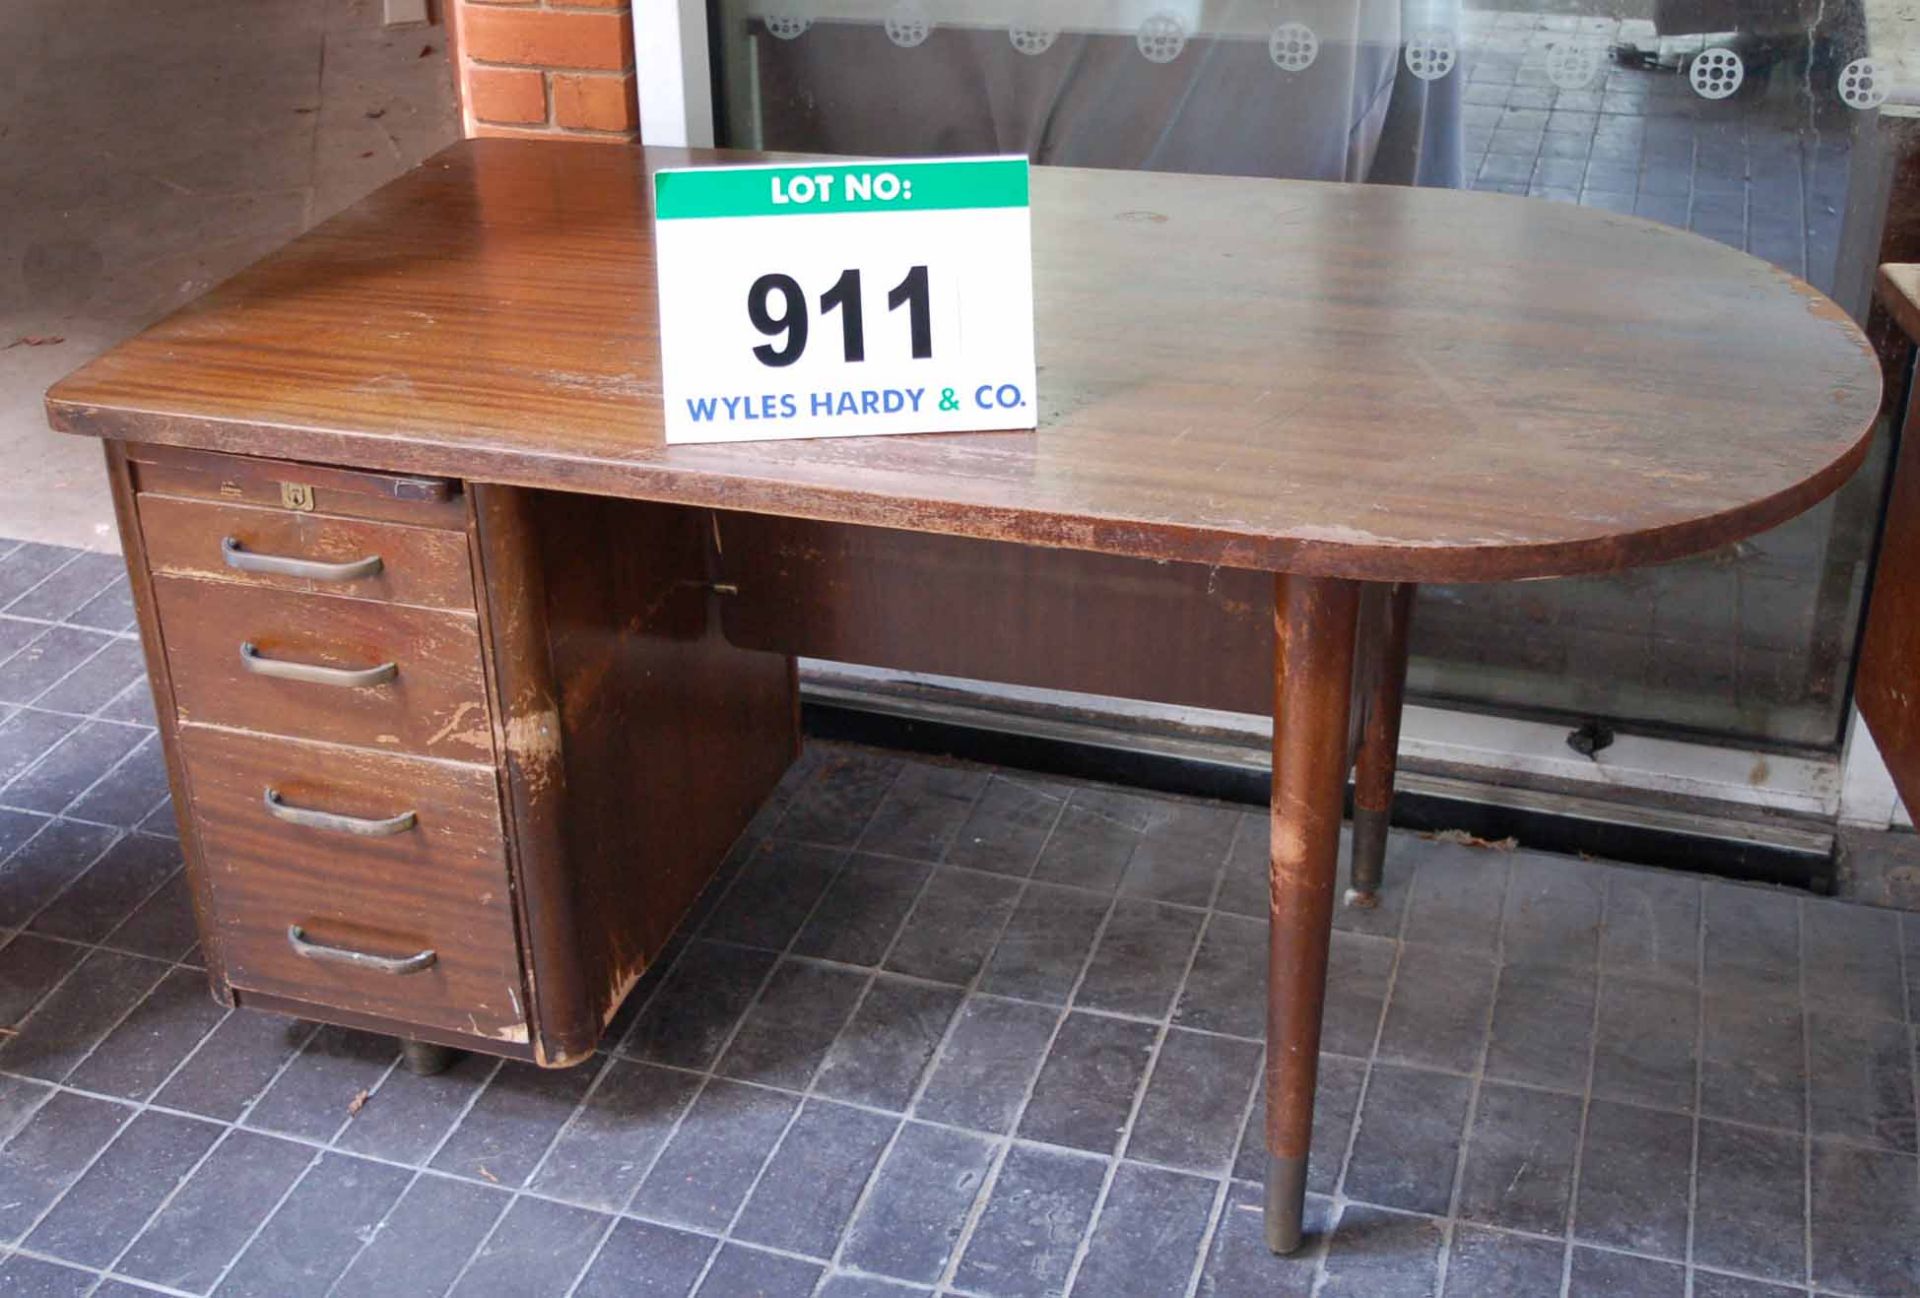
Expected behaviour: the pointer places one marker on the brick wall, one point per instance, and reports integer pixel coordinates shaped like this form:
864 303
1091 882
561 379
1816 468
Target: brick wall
547 67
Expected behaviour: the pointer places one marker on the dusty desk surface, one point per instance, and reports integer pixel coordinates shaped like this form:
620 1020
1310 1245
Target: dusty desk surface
1338 380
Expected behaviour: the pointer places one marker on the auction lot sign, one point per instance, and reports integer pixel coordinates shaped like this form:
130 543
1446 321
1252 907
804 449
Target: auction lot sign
843 300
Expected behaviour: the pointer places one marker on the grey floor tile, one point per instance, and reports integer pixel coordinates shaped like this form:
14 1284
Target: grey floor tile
111 889
838 797
862 909
1093 840
1240 1264
1087 1085
74 1017
129 792
20 1099
40 868
145 1047
1751 1193
98 681
1752 942
1457 897
703 1175
507 1130
845 1284
425 1240
317 1231
25 737
48 1153
134 704
32 1277
1008 826
1411 1125
615 1135
162 926
320 1088
785 1035
234 1064
1336 1100
1754 1066
879 1057
1709 1284
102 1212
536 1251
38 666
69 588
987 1065
1035 1217
1866 1220
110 610
643 1260
1552 911
1148 1235
1138 962
1519 1169
912 1219
193 1238
1244 881
1404 853
1542 1027
72 766
1494 1264
1910 946
813 1181
773 894
1045 943
1635 1171
1197 1094
28 566
1861 1074
923 810
690 1017
30 967
1597 1274
1646 1043
1438 1014
1226 989
1379 1254
1180 853
1359 971
741 1272
954 925
1852 956
407 1118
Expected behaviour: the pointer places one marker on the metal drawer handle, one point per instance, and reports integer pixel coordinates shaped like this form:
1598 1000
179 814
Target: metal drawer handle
387 964
245 560
348 678
358 826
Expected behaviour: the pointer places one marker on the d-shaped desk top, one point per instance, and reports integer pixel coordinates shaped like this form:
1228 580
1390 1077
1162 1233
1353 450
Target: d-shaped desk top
1368 382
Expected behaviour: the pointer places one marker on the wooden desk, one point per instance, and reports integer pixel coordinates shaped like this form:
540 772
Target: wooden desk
503 765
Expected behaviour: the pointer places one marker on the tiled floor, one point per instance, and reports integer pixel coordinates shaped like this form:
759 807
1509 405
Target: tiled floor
947 1028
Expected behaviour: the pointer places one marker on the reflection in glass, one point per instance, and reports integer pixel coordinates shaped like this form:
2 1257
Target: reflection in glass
1747 121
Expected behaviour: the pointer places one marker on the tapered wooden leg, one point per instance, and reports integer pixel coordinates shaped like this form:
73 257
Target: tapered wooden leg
1314 620
1382 694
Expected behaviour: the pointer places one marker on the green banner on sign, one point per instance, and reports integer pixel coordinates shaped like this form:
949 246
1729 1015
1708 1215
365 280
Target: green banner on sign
839 188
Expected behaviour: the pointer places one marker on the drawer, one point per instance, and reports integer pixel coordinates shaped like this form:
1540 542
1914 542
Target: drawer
315 554
305 909
388 676
297 488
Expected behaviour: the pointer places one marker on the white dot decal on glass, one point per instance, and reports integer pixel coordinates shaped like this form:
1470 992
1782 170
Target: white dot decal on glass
1293 47
788 25
1161 37
1572 65
1431 55
908 25
1032 40
1716 73
1864 84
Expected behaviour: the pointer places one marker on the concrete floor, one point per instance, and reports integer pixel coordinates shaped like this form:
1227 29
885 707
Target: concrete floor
151 148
